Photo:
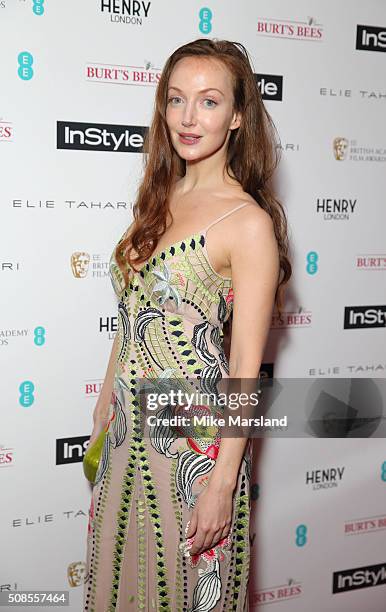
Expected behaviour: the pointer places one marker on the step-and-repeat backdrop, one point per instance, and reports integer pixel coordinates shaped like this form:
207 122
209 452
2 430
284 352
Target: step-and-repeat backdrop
77 86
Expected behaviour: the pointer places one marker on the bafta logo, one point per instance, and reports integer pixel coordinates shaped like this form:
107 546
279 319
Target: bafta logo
340 148
79 264
76 573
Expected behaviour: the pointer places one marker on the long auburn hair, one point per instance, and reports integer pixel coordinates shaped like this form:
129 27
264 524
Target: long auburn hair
252 155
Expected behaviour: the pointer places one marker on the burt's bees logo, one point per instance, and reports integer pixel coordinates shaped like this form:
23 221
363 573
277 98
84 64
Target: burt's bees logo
79 264
340 147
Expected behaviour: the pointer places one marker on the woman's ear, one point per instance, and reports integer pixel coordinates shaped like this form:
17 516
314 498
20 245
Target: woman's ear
236 121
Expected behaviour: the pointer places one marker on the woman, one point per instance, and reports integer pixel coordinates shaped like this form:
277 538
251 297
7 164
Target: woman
169 515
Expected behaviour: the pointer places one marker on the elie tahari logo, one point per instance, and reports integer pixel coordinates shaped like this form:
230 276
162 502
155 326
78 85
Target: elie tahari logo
100 137
371 38
364 317
271 86
359 578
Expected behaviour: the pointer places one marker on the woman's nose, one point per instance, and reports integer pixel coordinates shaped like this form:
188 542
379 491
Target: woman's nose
188 114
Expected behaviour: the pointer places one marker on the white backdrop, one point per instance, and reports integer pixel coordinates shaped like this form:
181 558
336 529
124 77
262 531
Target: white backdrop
319 505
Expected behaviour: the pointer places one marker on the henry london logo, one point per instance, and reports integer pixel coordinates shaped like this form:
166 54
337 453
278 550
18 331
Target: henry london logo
109 325
132 12
100 137
371 261
364 525
359 578
364 317
83 264
293 29
336 209
271 86
326 478
281 592
371 38
146 75
345 149
301 318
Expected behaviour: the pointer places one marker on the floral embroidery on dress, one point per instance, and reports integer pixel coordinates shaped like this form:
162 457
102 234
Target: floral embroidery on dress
165 287
229 296
91 517
217 552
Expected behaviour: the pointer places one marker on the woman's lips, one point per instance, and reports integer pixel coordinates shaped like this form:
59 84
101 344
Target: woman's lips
189 140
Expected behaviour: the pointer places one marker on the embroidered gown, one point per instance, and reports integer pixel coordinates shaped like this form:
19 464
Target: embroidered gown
170 321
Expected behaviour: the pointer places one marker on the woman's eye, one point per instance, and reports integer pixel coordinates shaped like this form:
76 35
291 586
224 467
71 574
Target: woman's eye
210 100
213 102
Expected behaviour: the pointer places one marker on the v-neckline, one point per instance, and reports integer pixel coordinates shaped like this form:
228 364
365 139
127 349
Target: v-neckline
158 254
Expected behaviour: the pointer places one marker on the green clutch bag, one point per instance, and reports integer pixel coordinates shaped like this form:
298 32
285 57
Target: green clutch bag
92 457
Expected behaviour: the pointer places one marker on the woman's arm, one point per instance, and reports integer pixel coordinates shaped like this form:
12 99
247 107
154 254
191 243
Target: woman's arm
255 275
102 406
255 266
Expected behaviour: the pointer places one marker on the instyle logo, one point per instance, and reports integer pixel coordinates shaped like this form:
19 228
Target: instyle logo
146 75
293 29
271 86
71 450
100 137
359 578
131 12
364 317
371 38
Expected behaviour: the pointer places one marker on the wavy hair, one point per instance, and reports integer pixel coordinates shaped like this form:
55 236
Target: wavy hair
252 155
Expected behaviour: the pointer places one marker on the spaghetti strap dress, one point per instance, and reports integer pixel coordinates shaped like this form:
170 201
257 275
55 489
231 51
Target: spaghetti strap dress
170 324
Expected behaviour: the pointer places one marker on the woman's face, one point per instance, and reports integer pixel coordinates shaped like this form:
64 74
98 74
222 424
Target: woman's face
191 110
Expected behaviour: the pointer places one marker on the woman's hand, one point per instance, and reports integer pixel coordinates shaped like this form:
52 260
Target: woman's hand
101 418
211 518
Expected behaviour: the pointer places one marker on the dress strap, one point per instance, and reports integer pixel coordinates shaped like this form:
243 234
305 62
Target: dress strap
226 214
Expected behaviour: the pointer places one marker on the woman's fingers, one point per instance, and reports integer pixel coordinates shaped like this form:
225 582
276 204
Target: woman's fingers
225 532
192 525
202 540
215 540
